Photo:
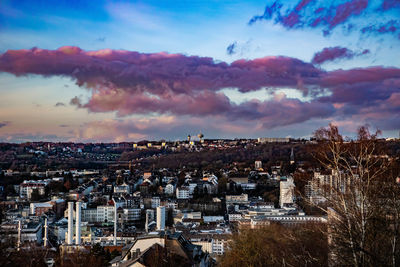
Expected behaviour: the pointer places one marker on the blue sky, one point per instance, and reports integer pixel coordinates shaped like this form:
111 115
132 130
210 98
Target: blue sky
192 28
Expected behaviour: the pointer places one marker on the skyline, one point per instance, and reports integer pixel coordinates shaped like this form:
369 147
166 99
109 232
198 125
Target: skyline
127 71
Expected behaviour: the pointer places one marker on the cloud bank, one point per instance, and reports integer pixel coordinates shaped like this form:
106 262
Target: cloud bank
128 83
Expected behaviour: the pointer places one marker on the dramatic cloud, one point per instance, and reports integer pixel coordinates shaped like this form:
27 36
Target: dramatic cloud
129 83
317 14
335 53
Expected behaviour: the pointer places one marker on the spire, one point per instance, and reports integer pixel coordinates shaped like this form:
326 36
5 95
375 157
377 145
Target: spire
292 156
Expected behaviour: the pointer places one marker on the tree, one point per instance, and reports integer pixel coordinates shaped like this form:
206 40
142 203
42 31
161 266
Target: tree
276 245
170 218
222 182
10 190
35 196
361 196
120 180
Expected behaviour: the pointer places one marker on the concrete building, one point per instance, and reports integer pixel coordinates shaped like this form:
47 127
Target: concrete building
243 198
39 209
182 193
132 215
122 189
286 191
235 217
30 231
105 213
155 202
26 188
264 140
161 218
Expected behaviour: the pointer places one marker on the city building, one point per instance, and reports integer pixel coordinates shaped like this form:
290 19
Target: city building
183 193
160 218
286 191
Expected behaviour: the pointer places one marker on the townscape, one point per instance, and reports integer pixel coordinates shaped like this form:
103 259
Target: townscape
132 197
201 133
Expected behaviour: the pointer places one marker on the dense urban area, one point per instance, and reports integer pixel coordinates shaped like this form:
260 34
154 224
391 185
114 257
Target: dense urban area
196 202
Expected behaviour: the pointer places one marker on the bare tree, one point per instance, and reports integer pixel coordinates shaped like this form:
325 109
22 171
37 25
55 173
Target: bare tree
362 198
278 245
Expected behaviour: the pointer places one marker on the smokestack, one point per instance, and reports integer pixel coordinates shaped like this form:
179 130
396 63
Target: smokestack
45 232
115 223
70 236
78 223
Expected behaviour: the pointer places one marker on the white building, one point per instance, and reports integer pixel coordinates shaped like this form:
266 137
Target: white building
243 198
182 193
213 219
122 189
169 189
219 245
286 191
234 217
105 213
161 218
192 215
263 140
132 215
155 202
26 188
192 186
89 215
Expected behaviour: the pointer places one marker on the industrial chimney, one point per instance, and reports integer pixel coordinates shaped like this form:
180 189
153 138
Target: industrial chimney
78 223
70 236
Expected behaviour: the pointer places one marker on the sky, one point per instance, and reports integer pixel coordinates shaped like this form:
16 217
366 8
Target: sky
116 71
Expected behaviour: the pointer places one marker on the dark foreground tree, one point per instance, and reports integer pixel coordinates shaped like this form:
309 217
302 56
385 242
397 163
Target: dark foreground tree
361 198
277 245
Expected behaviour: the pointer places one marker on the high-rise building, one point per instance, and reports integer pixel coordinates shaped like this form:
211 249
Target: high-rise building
161 218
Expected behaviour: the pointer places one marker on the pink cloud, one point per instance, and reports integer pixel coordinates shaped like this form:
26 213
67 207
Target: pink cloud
128 82
335 53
